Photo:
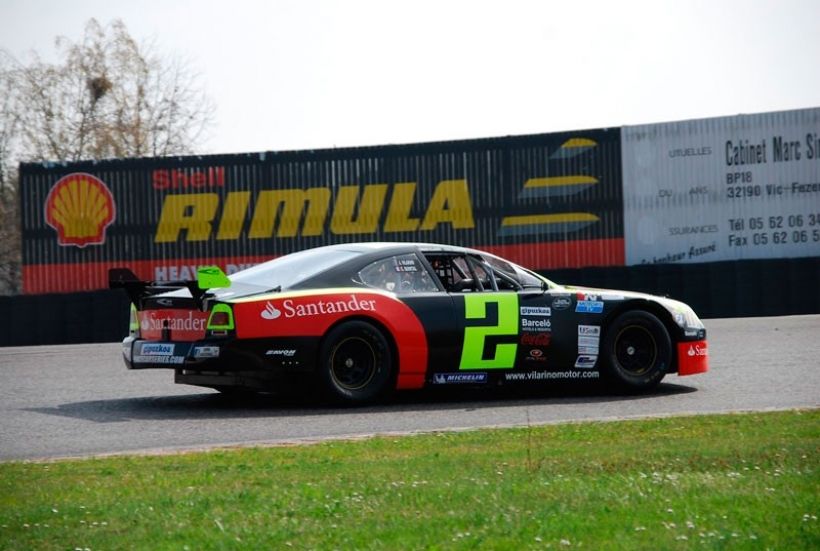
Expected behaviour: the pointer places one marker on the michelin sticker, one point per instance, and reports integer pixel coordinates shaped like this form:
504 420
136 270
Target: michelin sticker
459 378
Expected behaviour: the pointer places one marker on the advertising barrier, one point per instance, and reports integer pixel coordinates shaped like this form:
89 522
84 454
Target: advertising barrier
721 213
700 191
731 188
547 201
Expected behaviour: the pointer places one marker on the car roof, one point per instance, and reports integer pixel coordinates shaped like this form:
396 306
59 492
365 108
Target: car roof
380 246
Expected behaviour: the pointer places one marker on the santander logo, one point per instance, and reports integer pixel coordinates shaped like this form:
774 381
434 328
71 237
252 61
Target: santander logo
299 308
172 319
270 312
697 350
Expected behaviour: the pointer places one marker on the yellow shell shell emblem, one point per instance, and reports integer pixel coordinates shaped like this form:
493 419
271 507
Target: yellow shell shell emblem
80 206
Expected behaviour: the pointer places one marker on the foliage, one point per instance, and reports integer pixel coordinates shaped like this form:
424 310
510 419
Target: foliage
107 96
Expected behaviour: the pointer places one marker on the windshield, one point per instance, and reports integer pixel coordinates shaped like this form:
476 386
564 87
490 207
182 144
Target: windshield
527 278
289 270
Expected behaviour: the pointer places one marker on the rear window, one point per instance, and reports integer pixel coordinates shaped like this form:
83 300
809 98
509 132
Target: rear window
293 268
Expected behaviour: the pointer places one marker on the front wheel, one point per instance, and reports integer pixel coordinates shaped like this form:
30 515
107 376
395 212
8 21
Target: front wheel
356 363
637 350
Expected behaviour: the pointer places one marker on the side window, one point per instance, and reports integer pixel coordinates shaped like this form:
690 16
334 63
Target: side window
398 274
462 274
482 275
451 271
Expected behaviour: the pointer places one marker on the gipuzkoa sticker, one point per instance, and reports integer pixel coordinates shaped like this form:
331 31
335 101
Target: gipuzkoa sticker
155 349
535 311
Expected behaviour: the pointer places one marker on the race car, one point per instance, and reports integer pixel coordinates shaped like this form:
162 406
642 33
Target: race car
356 321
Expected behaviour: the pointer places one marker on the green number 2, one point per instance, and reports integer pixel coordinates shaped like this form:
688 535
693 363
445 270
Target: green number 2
475 307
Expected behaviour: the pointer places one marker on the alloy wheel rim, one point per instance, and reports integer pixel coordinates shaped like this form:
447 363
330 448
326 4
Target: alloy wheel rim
636 350
353 363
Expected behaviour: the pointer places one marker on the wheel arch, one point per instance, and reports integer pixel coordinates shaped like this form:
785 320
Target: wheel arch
378 324
653 308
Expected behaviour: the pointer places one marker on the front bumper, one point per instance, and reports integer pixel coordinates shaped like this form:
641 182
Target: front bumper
693 357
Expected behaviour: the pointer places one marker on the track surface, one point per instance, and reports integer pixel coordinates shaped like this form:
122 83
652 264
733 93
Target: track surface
76 400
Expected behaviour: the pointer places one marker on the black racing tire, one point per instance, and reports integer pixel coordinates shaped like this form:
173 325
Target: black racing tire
637 351
355 363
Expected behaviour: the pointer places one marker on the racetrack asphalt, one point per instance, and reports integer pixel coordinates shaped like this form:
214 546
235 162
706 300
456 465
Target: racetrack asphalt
79 400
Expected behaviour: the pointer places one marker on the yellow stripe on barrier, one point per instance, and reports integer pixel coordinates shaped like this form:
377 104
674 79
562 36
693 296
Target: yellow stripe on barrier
553 181
578 142
534 219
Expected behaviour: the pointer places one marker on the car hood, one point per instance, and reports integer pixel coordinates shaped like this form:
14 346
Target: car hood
681 312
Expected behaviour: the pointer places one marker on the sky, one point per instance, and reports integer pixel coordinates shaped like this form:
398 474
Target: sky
310 74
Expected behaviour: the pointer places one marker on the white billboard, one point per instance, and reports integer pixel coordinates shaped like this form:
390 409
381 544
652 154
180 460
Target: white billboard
728 188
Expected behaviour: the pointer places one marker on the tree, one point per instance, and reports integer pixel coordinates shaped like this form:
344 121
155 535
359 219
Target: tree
107 96
8 121
10 244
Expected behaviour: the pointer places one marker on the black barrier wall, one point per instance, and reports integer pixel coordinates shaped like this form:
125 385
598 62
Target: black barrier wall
715 290
96 316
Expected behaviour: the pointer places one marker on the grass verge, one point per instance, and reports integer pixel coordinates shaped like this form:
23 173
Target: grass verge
715 482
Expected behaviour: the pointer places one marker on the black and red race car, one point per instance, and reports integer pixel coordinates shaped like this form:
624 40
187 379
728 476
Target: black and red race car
359 320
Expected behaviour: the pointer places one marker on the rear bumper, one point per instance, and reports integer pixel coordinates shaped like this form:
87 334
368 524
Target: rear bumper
142 354
220 364
223 355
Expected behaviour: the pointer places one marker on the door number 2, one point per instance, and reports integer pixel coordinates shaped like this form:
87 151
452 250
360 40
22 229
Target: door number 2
475 307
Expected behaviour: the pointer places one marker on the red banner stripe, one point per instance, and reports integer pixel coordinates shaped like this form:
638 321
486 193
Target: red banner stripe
68 277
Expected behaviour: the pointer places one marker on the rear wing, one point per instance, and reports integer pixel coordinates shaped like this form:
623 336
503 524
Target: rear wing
208 277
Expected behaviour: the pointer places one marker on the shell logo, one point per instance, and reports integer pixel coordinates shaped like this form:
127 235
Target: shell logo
80 207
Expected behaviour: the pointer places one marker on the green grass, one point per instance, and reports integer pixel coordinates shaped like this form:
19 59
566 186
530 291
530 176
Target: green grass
717 482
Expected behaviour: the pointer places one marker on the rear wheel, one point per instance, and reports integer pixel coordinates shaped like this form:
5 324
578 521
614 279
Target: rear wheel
356 363
637 350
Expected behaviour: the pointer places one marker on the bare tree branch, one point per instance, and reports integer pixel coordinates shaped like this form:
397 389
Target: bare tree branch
108 96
